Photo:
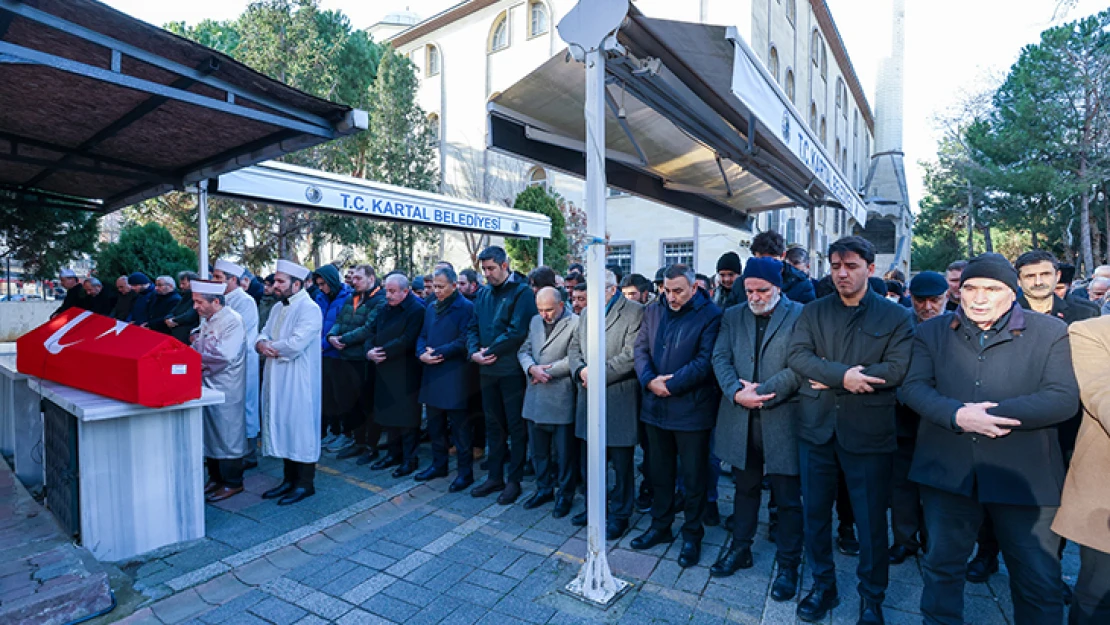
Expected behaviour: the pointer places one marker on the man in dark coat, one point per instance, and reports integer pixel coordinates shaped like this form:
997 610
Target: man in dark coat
166 299
124 299
144 294
444 387
502 312
673 363
392 343
757 421
622 401
350 385
98 299
991 382
332 295
796 285
853 349
907 523
75 293
183 318
728 292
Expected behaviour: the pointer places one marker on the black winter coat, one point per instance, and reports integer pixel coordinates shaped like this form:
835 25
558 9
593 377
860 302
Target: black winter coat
352 325
796 285
446 385
500 324
184 315
1026 369
397 380
680 344
161 307
877 335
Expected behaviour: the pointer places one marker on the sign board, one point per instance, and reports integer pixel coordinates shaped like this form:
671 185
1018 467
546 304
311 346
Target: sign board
756 90
299 187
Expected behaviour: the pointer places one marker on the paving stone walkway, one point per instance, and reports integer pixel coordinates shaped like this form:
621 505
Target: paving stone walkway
369 548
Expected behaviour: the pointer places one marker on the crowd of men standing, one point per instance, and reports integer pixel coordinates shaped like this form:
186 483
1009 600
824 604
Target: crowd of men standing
954 404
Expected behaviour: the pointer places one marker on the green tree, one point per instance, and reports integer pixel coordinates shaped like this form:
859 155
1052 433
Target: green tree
525 252
148 248
44 239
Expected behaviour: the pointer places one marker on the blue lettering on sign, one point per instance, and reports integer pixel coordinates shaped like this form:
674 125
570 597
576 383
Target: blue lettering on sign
359 203
441 216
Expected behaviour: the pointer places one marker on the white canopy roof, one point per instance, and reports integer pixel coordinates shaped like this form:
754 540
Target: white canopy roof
298 187
694 130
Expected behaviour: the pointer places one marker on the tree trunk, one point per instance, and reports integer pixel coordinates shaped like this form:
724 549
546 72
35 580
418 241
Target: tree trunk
970 222
988 243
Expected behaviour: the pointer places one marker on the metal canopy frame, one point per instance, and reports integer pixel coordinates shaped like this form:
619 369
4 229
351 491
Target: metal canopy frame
293 128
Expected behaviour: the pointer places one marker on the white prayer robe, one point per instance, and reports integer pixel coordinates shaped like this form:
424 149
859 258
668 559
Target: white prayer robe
223 362
291 394
247 308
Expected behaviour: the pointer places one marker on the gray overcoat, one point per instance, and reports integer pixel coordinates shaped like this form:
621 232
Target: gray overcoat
551 403
733 359
622 389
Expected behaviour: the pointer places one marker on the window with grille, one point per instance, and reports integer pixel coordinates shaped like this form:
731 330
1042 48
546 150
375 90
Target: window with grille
620 254
538 19
791 231
499 35
431 54
676 252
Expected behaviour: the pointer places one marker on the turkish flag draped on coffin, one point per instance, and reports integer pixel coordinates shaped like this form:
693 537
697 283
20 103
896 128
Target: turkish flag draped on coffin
102 355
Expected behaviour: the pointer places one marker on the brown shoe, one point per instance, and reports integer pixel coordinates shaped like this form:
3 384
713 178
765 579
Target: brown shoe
211 486
222 493
479 453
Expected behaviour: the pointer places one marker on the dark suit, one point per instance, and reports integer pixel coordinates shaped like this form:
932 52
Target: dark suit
444 389
1025 367
396 329
856 431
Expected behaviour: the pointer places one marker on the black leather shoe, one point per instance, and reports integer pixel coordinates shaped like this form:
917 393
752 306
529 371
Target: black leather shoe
351 451
900 553
580 519
509 494
643 500
297 494
615 528
367 457
487 488
786 584
690 553
712 516
406 468
385 463
562 507
731 560
651 538
539 498
281 491
461 483
870 613
980 569
249 464
818 603
430 473
846 542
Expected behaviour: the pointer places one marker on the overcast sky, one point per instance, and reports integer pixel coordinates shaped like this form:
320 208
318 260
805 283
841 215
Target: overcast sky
953 47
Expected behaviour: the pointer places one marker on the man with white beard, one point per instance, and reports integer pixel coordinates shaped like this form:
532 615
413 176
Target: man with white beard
291 390
237 299
223 356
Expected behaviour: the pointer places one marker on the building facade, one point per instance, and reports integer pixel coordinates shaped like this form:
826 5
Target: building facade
469 53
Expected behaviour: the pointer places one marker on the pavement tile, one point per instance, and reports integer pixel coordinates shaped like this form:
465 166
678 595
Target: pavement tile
180 607
289 557
277 611
632 563
349 580
493 581
693 579
465 614
369 588
372 559
409 563
317 544
326 606
258 572
524 610
497 618
435 612
245 619
411 593
428 571
391 549
447 577
524 566
286 589
502 560
390 607
474 594
144 616
232 608
342 532
221 589
326 574
361 617
312 619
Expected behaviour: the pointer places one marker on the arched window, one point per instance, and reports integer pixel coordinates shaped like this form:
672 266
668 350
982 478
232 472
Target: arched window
537 178
773 63
844 159
815 48
824 131
499 34
841 98
538 21
836 154
433 129
789 84
792 11
431 60
824 62
813 116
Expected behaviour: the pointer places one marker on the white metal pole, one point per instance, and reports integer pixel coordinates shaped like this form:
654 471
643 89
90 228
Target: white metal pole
539 254
202 228
595 582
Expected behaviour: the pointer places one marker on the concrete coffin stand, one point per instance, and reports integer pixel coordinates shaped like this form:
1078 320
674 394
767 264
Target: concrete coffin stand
20 421
141 470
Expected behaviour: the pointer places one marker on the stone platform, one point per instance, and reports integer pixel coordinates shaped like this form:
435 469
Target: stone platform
44 577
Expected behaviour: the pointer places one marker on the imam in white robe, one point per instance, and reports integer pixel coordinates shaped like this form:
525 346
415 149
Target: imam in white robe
291 400
244 304
223 365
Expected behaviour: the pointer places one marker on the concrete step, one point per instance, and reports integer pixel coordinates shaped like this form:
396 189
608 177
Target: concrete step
44 577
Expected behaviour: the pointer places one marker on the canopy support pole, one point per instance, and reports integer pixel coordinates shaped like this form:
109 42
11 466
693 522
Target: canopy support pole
812 239
202 227
595 582
539 253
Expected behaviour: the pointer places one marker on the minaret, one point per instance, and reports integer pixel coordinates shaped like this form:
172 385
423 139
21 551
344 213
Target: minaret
889 220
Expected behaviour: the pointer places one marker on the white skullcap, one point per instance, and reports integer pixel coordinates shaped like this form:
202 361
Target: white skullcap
293 269
229 268
204 287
